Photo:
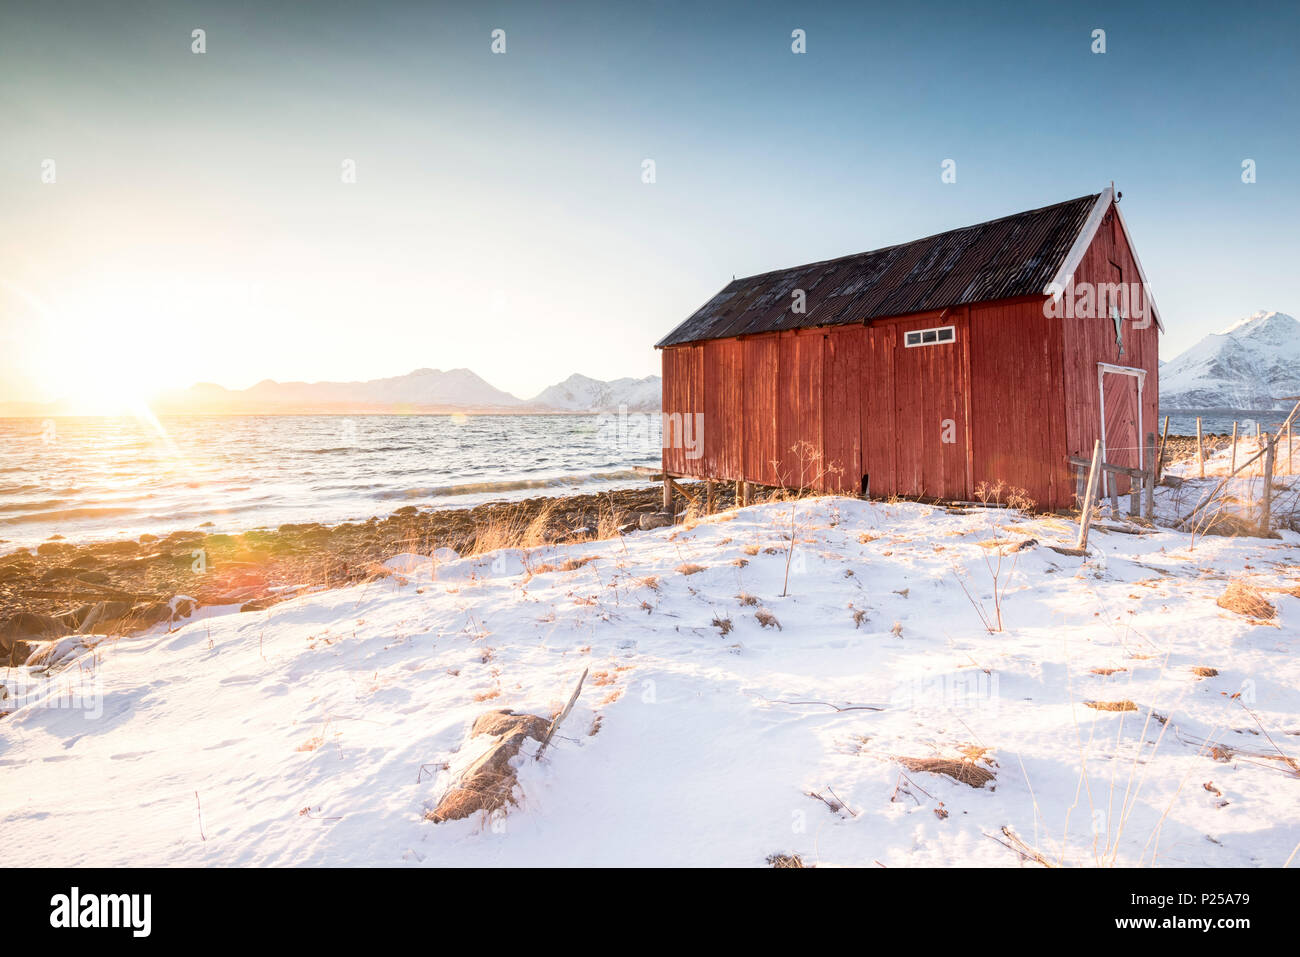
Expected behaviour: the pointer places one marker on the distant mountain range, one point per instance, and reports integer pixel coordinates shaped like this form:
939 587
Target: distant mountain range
1253 364
424 390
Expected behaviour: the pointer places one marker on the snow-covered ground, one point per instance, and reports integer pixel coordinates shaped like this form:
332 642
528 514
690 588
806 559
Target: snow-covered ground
322 730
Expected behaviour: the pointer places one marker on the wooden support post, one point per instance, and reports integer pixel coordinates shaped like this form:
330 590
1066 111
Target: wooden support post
1149 509
737 501
745 490
710 497
1200 449
1234 449
1266 506
1086 518
683 493
668 492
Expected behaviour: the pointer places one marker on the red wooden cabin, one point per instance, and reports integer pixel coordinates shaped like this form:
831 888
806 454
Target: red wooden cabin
990 353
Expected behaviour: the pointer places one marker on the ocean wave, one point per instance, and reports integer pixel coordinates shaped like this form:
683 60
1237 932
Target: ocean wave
64 514
48 503
361 449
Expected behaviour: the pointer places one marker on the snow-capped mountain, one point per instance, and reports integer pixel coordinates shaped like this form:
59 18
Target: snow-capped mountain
1253 364
578 393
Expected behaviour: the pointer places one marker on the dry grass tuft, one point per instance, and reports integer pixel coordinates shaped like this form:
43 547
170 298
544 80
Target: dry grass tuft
1124 705
1107 671
964 770
513 529
767 619
1247 600
689 568
572 564
1201 671
746 599
723 624
786 860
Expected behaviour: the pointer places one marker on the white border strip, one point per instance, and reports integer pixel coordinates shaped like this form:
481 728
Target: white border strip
1081 244
1086 235
1146 286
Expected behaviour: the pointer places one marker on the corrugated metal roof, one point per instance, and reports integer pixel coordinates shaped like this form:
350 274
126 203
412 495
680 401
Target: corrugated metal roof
1003 258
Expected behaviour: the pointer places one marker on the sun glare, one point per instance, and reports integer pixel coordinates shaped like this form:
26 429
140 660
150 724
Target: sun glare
104 349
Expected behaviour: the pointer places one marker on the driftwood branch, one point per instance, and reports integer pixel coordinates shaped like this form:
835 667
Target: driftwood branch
555 722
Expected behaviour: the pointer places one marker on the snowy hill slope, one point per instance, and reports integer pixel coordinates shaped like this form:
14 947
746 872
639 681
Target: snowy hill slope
1253 364
720 722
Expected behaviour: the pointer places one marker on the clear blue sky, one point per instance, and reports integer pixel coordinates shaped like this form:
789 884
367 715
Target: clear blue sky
199 226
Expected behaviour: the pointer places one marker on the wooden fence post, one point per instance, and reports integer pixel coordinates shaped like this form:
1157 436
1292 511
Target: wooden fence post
668 493
709 496
1234 449
1266 507
1160 460
1086 518
1160 453
1200 449
1290 469
1150 482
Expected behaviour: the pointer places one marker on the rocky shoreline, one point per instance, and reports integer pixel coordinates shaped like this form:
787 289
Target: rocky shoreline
123 587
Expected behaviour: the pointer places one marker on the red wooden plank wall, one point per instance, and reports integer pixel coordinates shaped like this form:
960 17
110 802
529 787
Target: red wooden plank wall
760 401
1092 340
843 357
1017 400
799 409
724 409
930 406
683 394
877 403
